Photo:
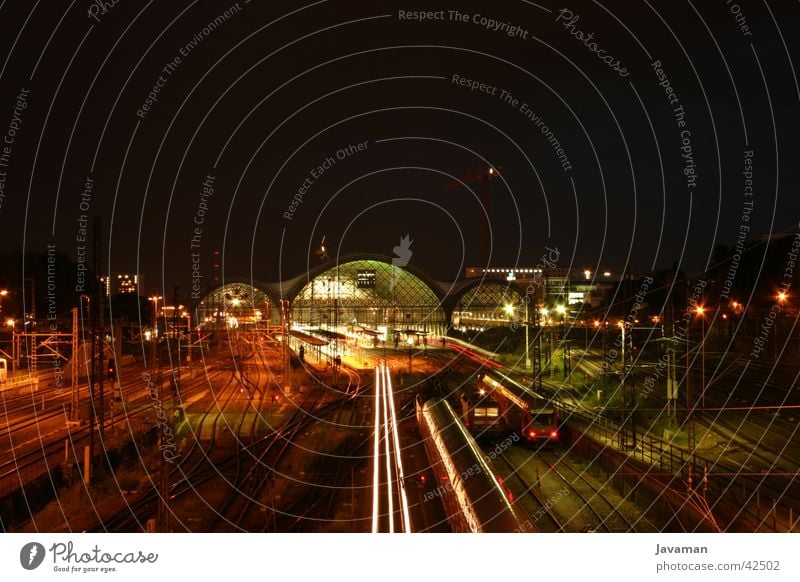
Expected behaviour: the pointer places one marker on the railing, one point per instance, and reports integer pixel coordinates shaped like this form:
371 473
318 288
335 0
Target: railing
761 500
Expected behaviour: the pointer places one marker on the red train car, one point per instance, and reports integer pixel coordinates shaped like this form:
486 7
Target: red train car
522 410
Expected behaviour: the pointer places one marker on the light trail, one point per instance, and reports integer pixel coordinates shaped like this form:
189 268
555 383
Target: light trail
386 415
401 475
376 458
386 443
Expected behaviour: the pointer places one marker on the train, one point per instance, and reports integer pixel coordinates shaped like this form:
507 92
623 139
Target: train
504 404
473 496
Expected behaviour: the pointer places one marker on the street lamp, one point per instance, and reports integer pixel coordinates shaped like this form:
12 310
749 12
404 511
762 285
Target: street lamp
700 311
527 338
561 310
781 301
410 342
548 344
509 309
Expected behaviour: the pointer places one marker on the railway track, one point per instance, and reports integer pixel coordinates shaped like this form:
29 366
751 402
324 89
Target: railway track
528 498
262 473
607 515
250 470
134 516
263 468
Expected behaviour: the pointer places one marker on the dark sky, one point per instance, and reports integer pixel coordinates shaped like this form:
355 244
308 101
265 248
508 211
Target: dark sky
260 99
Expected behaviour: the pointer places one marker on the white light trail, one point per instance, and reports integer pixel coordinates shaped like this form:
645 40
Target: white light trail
386 443
376 453
386 415
398 456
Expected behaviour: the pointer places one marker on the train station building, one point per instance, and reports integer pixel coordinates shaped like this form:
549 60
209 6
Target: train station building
369 302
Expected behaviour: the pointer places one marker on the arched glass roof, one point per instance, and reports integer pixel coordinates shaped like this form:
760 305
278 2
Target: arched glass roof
242 301
368 294
489 304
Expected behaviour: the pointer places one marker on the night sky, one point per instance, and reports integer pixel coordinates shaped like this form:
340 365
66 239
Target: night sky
206 119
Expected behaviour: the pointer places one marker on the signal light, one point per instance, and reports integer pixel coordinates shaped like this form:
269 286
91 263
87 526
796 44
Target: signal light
554 434
422 479
531 433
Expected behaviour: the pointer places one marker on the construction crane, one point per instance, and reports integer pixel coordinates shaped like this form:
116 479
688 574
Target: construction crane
485 177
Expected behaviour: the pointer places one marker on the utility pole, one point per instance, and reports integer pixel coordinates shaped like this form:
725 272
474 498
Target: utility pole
672 390
527 338
176 374
537 347
74 404
690 436
97 324
162 517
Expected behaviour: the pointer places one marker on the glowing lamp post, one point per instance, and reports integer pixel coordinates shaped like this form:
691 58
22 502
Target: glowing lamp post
781 301
700 311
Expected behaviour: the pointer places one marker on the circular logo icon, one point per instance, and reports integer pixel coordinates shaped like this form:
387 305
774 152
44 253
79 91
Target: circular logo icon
31 555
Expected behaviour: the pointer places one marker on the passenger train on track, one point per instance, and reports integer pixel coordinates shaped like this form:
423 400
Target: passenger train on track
473 496
503 404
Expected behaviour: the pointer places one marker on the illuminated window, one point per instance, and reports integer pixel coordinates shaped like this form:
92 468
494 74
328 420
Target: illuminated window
365 279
